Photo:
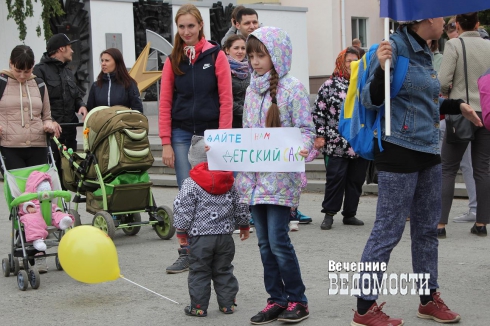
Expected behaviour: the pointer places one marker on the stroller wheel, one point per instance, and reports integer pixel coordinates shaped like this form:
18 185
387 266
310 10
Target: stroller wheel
34 278
16 266
58 264
166 230
75 214
6 267
22 280
135 217
104 221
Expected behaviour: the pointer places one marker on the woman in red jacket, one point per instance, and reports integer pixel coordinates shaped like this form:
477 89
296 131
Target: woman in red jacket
196 95
196 90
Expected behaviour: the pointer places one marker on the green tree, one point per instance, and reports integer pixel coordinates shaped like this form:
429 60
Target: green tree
20 10
484 17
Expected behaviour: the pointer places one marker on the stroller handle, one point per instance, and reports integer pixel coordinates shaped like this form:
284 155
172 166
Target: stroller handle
64 124
71 124
43 195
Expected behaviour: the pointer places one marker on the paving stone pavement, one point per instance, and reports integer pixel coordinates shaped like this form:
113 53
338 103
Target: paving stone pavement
463 277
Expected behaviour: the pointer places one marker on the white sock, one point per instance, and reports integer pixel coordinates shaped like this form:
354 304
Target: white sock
39 245
65 222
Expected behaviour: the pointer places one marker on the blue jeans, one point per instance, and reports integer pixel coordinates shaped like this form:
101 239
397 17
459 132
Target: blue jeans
282 276
181 142
417 195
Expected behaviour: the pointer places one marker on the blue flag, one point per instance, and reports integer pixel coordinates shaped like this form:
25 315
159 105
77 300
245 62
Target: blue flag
405 10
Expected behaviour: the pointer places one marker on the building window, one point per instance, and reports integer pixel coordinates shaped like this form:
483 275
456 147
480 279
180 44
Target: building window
393 26
359 30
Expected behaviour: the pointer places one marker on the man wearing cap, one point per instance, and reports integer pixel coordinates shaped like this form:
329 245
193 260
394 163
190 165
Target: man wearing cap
64 95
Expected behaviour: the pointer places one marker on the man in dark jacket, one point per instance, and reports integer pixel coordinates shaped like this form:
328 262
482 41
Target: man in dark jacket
64 94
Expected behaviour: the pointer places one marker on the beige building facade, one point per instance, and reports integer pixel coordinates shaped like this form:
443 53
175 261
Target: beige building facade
331 26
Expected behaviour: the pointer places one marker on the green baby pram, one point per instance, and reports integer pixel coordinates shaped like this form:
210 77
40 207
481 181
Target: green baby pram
14 186
110 175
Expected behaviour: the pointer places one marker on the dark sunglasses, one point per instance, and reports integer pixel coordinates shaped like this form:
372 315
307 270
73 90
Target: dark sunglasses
450 27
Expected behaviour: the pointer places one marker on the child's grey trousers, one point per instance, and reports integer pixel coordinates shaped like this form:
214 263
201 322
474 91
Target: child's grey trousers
210 259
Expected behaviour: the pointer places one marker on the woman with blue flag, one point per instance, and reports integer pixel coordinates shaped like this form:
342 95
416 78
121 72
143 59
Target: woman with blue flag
409 177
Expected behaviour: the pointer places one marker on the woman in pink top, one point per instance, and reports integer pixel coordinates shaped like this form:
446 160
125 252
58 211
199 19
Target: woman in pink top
196 95
196 91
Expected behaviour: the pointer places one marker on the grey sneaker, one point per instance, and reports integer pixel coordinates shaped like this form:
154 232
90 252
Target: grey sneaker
465 218
181 264
327 222
40 264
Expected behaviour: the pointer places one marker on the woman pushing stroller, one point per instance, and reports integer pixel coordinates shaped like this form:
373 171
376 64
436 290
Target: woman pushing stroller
25 111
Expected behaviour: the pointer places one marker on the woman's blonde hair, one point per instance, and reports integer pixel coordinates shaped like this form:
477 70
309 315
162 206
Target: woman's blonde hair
177 54
273 118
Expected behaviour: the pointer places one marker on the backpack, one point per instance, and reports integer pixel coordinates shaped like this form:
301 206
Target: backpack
484 88
118 137
357 124
39 81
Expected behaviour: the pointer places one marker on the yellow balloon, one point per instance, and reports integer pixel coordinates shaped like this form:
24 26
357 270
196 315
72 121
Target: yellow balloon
88 255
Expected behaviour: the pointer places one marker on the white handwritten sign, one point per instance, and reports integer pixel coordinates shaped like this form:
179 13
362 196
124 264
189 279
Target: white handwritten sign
255 149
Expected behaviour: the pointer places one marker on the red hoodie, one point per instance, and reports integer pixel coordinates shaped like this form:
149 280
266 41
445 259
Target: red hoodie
223 76
214 182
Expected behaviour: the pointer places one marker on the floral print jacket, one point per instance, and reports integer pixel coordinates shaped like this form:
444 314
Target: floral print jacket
275 188
326 117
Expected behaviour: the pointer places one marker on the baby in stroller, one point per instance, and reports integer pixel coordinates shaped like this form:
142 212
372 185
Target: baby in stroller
31 215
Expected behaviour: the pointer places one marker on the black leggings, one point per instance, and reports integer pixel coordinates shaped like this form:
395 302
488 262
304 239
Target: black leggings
451 155
16 158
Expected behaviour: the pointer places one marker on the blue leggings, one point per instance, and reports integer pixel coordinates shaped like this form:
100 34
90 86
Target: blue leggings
417 195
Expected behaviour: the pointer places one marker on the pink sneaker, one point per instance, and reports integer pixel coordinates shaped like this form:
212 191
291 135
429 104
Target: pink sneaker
375 317
438 311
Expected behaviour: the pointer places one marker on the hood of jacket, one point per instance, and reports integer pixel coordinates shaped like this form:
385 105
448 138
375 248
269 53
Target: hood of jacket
16 83
203 48
278 43
47 59
34 179
9 73
214 182
208 48
210 45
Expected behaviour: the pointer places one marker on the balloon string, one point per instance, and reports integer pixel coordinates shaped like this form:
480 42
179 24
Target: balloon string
148 289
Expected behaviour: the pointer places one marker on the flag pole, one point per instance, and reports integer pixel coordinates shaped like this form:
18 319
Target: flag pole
387 84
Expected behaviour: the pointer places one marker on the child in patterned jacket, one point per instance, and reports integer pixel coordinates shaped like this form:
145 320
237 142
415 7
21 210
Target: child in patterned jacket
205 211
